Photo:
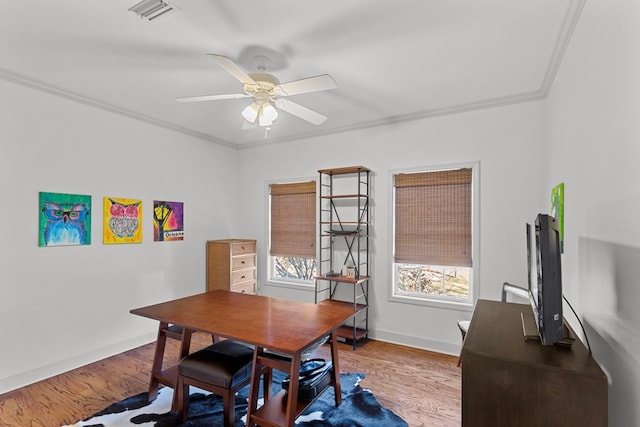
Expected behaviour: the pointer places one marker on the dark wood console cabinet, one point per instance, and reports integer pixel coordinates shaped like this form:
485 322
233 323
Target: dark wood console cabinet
507 381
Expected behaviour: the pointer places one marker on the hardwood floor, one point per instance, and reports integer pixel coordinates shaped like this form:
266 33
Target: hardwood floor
422 387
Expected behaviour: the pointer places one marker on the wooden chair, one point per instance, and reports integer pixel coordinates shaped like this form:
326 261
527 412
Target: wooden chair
222 368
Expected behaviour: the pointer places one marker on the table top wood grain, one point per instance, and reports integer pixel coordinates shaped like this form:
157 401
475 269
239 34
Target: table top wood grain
278 324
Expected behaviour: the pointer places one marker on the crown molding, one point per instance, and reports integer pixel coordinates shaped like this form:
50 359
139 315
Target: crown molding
41 86
401 118
571 18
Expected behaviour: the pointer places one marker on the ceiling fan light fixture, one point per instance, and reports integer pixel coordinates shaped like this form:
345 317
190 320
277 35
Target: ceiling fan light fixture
153 9
268 114
250 113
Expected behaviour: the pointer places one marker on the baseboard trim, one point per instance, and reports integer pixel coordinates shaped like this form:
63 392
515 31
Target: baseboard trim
416 342
43 372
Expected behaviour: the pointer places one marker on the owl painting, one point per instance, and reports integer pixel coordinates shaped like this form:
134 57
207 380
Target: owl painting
122 220
65 219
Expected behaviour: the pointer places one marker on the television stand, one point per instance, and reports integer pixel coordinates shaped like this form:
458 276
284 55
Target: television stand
530 330
507 381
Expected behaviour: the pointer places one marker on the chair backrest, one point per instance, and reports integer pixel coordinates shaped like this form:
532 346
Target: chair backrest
514 290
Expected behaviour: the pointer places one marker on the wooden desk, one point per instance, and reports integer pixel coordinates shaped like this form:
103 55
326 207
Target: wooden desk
279 325
507 381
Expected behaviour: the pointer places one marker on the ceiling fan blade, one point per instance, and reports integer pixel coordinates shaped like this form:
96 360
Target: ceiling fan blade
300 111
212 97
311 84
230 67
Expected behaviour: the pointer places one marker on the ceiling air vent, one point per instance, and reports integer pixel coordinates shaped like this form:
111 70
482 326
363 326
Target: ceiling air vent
153 9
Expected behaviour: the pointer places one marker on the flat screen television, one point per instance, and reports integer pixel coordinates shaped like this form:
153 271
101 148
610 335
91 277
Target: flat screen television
545 278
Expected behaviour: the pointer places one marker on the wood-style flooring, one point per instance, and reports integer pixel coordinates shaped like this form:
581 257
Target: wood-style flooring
422 387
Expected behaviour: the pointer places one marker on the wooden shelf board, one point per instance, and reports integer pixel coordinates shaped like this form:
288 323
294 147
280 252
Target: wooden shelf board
346 332
343 235
357 307
363 223
273 412
342 279
344 196
344 170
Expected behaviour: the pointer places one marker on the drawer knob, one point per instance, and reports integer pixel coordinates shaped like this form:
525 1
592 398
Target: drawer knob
243 262
243 277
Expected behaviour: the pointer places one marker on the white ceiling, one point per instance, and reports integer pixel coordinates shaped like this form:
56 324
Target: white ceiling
392 60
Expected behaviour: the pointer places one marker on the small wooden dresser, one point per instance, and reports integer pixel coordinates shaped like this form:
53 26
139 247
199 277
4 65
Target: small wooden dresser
231 265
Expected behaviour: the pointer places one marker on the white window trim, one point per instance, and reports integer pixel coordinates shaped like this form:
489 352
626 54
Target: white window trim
282 282
474 289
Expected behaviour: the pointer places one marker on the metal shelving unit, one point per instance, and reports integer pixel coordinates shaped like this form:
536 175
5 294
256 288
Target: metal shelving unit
344 244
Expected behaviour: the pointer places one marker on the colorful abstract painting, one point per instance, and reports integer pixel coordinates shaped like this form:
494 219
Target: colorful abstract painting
65 219
168 221
122 220
557 210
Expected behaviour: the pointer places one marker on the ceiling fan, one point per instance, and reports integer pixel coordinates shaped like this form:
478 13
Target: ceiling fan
268 94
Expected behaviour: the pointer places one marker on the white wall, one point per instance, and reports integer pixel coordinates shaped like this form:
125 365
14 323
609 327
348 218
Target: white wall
594 135
508 144
62 307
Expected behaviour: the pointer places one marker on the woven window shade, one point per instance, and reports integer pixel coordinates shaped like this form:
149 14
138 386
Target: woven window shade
293 220
433 218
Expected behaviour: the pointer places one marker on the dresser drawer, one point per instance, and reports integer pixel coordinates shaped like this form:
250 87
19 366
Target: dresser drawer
244 288
241 248
242 262
242 276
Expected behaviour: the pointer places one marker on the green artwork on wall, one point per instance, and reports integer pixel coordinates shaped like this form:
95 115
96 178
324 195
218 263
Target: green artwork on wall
557 210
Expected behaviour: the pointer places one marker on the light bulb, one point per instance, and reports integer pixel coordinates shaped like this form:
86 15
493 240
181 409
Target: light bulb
251 112
268 114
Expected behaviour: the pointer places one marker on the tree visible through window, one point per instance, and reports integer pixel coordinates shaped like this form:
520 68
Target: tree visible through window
293 231
294 268
433 235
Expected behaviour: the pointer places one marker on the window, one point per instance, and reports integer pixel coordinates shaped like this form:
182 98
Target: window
292 231
434 235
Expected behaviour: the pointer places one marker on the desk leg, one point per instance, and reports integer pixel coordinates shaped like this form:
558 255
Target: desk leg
185 343
254 388
156 367
335 375
292 397
157 376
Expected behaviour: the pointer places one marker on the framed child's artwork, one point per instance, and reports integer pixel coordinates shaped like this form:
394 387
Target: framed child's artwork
168 221
122 220
557 210
65 219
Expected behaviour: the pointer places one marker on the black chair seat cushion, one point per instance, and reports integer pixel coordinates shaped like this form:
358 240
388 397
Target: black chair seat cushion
222 364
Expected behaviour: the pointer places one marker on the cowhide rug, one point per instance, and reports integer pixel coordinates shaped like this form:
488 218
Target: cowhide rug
359 408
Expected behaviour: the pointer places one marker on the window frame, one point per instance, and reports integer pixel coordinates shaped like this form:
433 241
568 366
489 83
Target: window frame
439 301
271 279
